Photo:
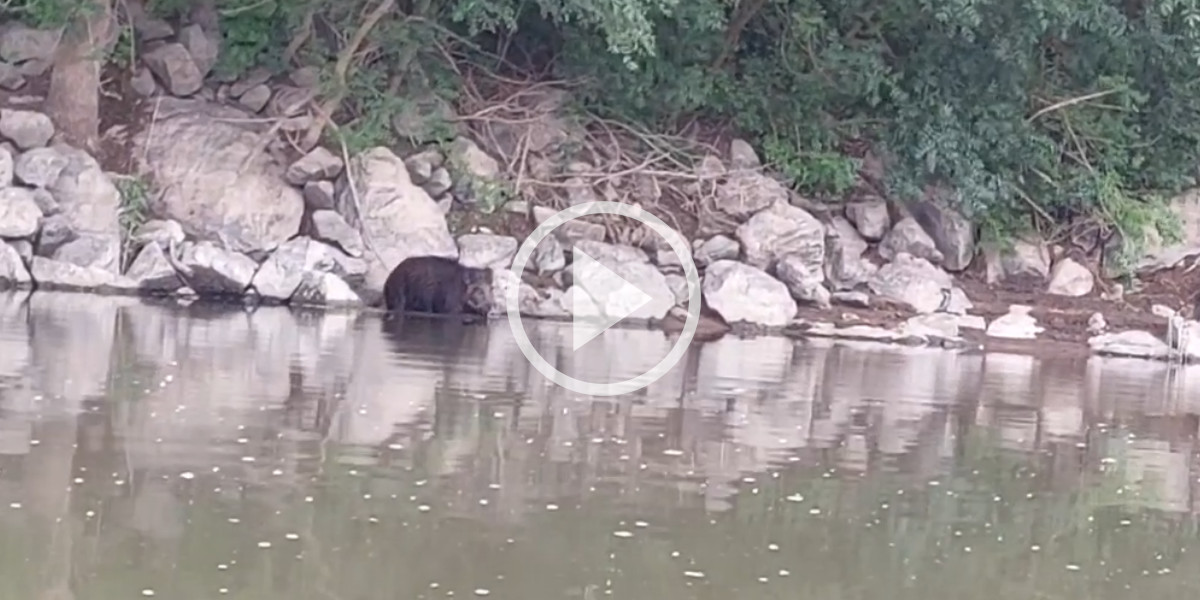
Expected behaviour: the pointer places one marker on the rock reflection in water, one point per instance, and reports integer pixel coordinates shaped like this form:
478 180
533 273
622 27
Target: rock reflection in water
203 451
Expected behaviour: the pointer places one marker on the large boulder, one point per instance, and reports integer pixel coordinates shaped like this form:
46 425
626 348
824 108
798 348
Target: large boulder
398 219
741 293
90 204
214 179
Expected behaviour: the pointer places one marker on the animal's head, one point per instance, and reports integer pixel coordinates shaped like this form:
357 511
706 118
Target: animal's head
479 297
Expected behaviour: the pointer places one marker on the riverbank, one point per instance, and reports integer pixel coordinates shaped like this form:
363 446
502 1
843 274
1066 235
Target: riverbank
199 190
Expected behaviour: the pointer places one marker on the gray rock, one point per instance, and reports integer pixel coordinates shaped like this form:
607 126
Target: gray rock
324 289
870 218
909 237
805 284
606 294
485 250
33 49
1025 261
152 271
741 293
281 274
931 326
208 269
855 299
201 47
174 66
7 168
316 165
668 259
952 234
580 191
11 78
46 202
26 128
256 98
40 167
716 248
151 30
329 226
398 218
530 302
547 257
742 155
19 213
439 182
1135 343
1069 278
1018 324
318 195
305 77
164 232
253 78
55 275
679 286
143 82
710 167
746 193
13 273
89 200
466 155
56 231
24 248
781 230
92 250
845 267
913 281
209 183
422 164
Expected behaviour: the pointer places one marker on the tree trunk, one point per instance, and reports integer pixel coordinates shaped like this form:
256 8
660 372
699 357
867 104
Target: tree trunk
73 100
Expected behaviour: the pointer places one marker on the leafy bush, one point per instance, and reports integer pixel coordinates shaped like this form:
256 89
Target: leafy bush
1036 113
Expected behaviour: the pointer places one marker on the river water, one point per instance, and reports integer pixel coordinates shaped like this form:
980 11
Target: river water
200 452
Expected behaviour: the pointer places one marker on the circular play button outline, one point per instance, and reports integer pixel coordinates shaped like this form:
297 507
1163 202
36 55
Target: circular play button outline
678 245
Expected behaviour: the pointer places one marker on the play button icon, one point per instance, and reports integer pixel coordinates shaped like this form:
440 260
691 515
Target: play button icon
600 298
607 298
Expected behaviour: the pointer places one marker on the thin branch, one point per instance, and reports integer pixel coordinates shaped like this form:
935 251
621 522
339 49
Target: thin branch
1070 102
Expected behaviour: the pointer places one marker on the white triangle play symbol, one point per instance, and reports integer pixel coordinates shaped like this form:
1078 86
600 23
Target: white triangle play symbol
608 298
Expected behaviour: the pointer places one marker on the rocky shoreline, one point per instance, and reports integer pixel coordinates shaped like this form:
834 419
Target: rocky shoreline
217 205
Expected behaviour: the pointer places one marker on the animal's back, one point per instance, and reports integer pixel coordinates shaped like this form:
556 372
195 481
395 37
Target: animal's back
429 284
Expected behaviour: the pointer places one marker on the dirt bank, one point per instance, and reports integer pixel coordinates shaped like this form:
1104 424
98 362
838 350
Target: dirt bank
1066 320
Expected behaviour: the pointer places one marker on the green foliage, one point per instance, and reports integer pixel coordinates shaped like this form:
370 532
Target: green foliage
135 209
43 14
1080 108
1035 113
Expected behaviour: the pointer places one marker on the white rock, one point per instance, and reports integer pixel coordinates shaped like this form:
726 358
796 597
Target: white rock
1018 324
1069 278
742 293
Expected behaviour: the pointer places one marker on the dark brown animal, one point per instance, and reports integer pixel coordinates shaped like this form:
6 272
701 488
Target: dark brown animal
433 284
710 327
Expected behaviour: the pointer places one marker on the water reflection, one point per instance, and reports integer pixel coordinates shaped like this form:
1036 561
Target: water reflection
201 451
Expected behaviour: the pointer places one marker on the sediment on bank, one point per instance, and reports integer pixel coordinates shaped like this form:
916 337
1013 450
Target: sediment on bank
201 192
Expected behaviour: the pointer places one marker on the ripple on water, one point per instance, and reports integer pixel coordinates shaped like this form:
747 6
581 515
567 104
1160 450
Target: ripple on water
356 461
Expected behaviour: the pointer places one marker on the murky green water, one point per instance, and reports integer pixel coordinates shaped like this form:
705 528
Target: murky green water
196 453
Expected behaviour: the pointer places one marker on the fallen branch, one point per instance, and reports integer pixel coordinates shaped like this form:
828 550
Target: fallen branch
1070 102
340 72
353 187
